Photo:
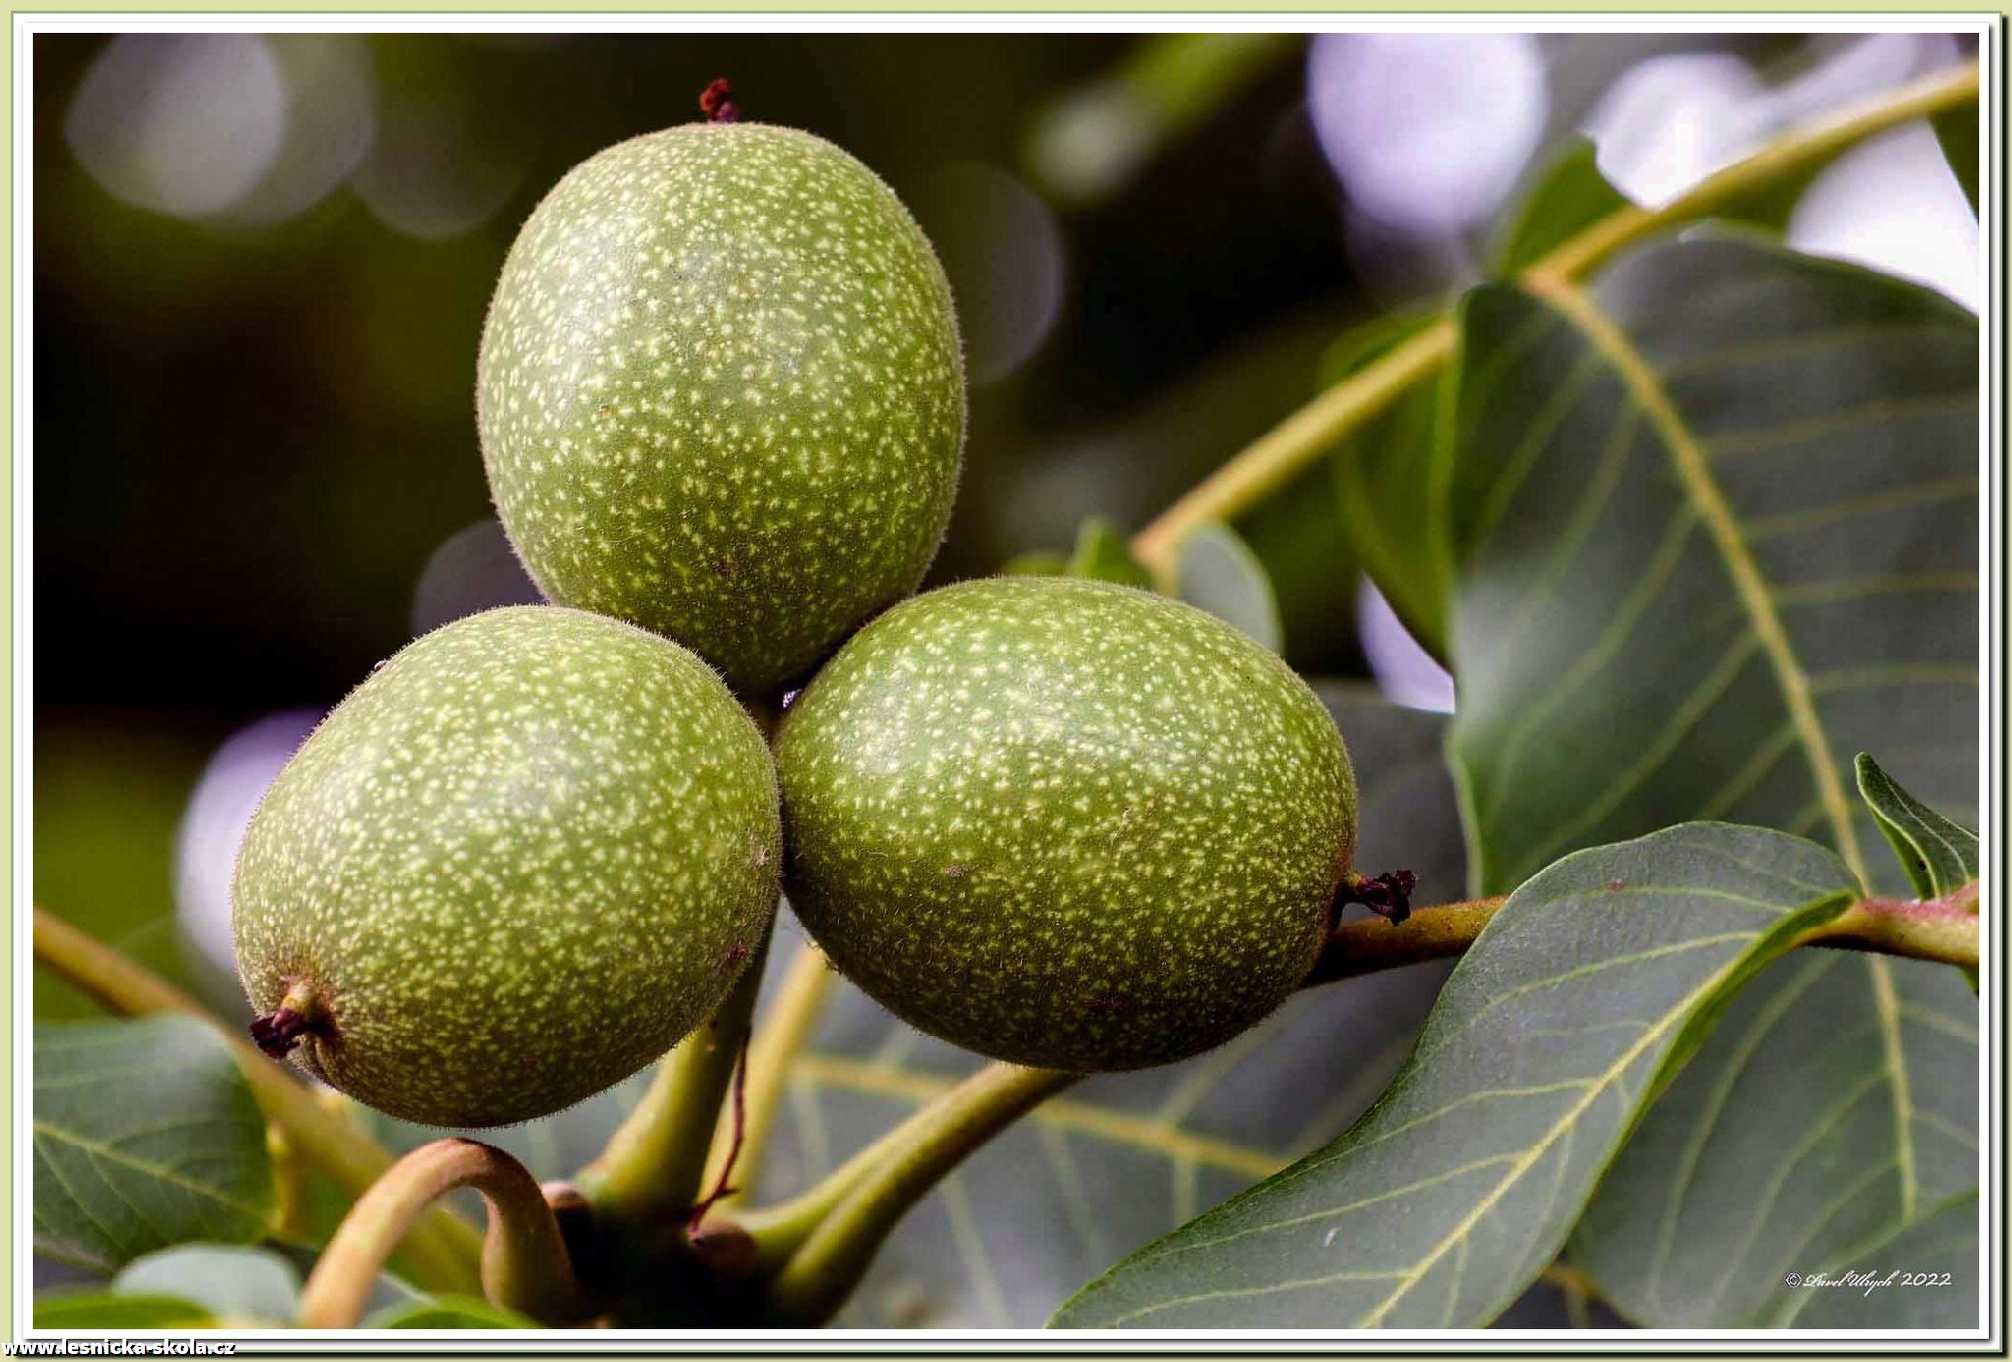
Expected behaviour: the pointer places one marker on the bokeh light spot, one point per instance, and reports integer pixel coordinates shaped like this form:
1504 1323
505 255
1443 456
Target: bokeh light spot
1427 131
1406 672
213 826
182 124
473 570
1003 251
1893 204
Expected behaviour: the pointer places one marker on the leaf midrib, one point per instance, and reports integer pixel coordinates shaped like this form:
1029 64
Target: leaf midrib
1693 470
1694 474
161 1172
1595 1089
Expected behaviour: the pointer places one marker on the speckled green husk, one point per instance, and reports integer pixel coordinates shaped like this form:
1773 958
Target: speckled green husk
1065 823
721 394
517 864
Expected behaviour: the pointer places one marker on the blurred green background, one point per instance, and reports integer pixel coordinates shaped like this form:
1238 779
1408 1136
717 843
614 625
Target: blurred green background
261 265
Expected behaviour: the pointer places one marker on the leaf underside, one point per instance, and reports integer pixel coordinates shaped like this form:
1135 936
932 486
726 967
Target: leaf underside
145 1135
1796 1141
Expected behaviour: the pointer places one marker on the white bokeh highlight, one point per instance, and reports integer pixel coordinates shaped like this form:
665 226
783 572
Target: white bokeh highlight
1427 132
1404 671
1672 120
1003 250
1894 205
182 124
213 826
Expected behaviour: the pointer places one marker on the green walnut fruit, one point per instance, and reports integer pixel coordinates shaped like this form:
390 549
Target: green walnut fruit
517 864
1065 823
721 395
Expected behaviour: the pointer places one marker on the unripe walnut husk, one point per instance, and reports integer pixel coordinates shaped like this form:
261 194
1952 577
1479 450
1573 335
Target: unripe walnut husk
721 395
1065 823
516 865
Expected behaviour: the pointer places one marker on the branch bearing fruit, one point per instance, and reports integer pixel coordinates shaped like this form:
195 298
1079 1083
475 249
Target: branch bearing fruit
721 394
517 864
1065 823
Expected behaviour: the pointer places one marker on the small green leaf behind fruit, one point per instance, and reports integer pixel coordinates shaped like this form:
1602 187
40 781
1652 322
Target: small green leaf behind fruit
1101 554
1219 573
1440 1205
145 1136
105 1311
1939 856
1036 563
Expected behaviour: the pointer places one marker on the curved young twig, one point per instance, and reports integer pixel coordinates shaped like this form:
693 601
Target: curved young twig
525 1266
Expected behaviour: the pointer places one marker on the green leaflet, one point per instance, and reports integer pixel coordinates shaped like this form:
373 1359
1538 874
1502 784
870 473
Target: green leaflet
1389 479
1449 1196
1956 130
1939 856
145 1135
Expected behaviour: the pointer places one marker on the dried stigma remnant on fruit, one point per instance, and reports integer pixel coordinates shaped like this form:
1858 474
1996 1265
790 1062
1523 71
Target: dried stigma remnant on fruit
1065 823
509 870
721 393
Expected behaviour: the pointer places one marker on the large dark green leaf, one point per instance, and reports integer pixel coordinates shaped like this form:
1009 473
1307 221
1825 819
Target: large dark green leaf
1715 526
1939 856
1833 1109
1452 1193
145 1135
